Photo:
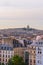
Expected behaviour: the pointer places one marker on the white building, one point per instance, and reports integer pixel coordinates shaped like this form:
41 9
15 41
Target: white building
6 52
38 43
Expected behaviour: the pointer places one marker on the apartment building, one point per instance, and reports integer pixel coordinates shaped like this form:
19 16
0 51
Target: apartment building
6 52
19 51
36 52
32 54
6 40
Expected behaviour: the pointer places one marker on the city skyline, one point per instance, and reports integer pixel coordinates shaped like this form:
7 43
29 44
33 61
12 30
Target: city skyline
20 13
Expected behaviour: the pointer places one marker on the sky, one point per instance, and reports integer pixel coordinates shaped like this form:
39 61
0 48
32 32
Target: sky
20 13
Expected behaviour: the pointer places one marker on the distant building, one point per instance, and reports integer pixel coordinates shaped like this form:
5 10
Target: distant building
28 27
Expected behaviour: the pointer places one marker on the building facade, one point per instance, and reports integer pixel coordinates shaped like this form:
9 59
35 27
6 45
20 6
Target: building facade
38 53
6 52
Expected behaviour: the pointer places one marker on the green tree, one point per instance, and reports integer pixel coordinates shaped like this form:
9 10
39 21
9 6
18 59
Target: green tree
16 60
2 63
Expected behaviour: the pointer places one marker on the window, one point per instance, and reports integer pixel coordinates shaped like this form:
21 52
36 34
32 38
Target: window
34 51
0 55
0 59
3 55
21 45
38 61
31 51
40 52
6 55
7 48
4 48
32 47
39 43
3 59
30 60
6 60
0 51
34 61
31 64
11 48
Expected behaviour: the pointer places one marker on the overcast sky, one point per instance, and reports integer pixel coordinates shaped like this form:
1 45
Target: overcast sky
19 13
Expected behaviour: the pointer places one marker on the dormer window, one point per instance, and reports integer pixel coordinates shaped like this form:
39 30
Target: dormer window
40 52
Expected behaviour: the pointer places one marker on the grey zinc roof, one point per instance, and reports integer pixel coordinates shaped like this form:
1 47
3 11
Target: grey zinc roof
37 43
5 47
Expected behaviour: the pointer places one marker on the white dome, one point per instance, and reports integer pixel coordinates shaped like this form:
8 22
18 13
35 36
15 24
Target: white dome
38 38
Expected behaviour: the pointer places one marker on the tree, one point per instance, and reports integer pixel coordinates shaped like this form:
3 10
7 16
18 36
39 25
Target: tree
11 62
16 60
2 63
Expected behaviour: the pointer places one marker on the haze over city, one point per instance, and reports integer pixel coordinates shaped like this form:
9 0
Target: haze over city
21 32
19 13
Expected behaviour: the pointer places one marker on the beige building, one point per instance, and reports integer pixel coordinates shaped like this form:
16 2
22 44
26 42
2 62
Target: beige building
32 55
19 51
6 40
31 51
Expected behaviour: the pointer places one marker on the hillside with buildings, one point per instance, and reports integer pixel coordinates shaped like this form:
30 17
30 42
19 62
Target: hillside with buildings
21 32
